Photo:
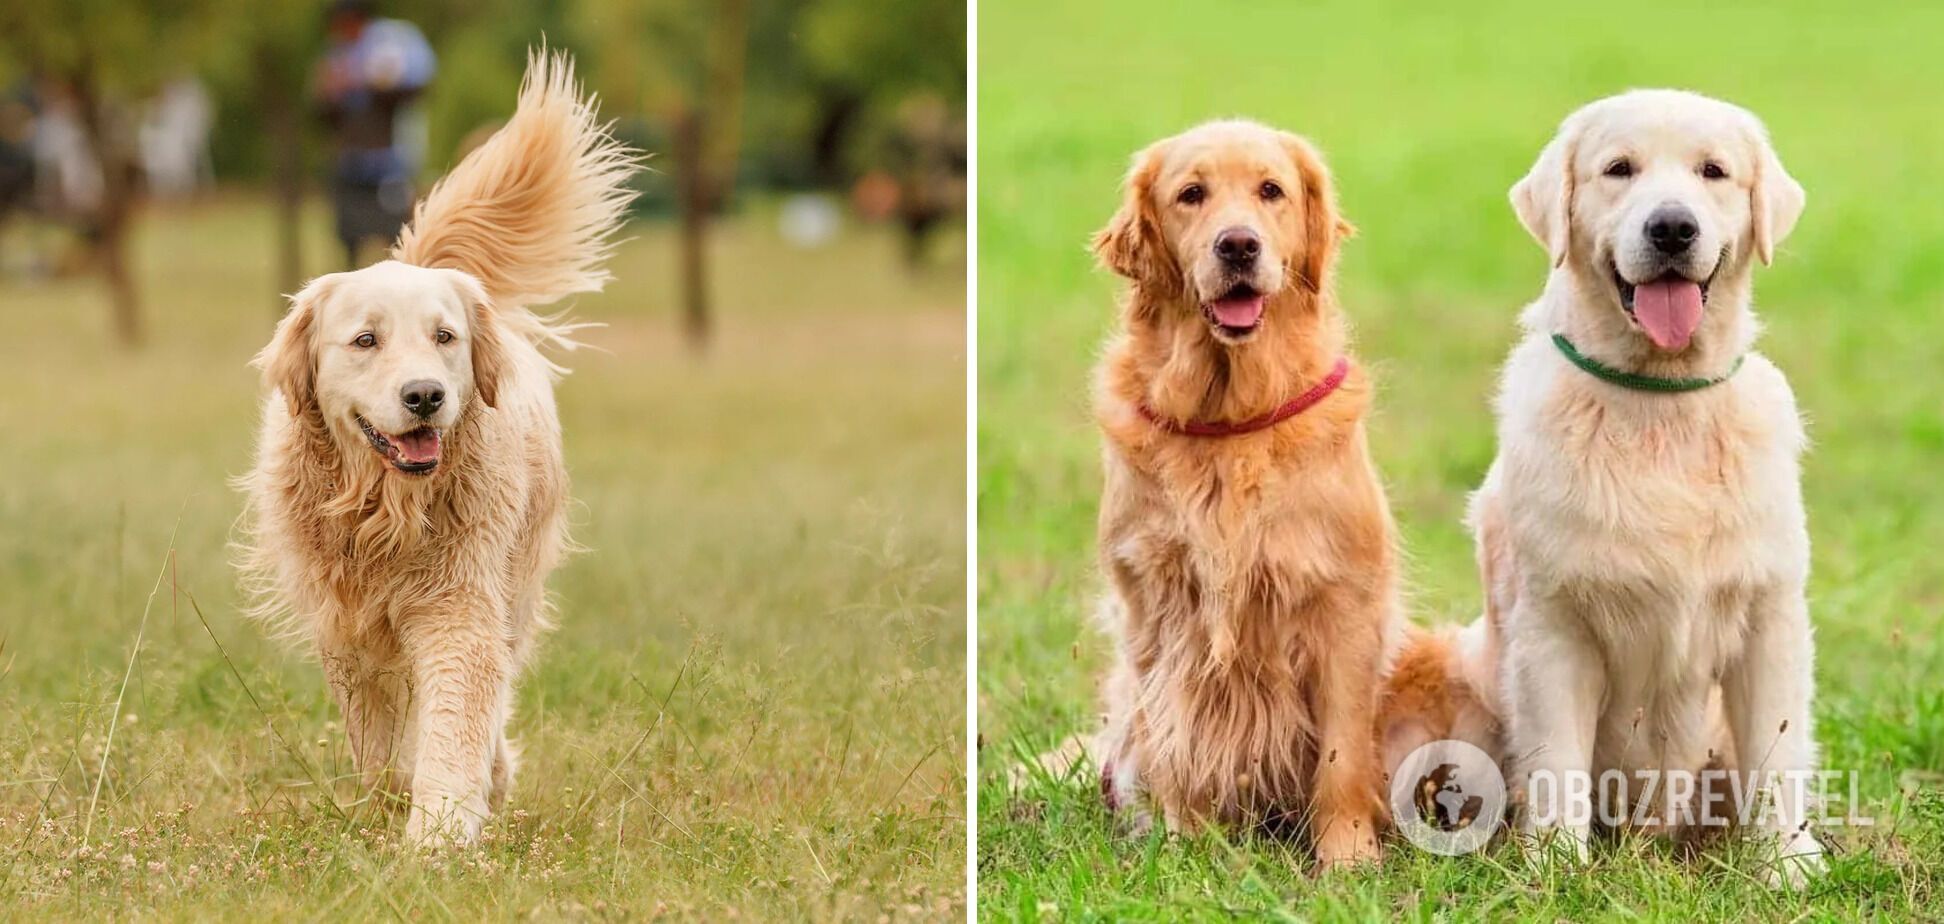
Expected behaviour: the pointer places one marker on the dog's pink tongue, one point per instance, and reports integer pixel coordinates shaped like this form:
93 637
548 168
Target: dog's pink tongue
420 445
1670 310
1238 312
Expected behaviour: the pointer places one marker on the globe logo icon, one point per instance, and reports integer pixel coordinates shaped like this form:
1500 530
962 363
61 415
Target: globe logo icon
1448 797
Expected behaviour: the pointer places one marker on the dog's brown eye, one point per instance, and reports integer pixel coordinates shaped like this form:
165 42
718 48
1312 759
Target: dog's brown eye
1713 171
1191 194
445 336
366 340
1270 191
1619 168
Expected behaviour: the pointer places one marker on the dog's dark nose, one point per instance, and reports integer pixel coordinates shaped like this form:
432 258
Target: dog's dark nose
1238 247
422 397
1672 228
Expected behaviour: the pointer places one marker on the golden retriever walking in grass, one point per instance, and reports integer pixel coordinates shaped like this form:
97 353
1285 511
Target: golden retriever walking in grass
1245 536
408 498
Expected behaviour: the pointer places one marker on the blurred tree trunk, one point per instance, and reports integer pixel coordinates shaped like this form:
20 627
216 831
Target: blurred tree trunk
110 141
706 151
692 199
284 122
837 112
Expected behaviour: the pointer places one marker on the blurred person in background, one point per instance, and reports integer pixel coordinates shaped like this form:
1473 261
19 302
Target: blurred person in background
174 138
67 170
373 69
920 180
928 154
16 155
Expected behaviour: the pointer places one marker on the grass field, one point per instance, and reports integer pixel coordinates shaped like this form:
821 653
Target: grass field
1428 114
754 705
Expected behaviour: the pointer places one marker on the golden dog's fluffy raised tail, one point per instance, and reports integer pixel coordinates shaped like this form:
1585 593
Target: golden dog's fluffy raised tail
529 212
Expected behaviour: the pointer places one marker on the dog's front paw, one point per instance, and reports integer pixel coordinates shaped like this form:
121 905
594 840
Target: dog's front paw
440 821
1135 822
1345 842
1347 845
1562 845
1795 860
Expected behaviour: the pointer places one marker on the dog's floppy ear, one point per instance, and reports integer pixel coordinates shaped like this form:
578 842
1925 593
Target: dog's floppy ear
1543 199
1775 199
1323 225
488 354
489 357
289 362
1131 244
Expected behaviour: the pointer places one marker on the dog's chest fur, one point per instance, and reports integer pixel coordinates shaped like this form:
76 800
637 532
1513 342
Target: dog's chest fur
1649 489
373 549
1235 569
1225 534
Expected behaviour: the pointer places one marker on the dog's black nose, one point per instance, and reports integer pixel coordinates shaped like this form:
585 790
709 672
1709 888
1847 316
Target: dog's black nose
1672 228
1238 247
422 397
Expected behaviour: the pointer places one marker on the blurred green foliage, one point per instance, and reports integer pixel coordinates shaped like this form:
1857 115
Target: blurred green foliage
823 81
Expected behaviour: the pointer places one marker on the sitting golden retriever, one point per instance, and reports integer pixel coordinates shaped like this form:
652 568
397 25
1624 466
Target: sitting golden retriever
408 498
1245 536
1641 534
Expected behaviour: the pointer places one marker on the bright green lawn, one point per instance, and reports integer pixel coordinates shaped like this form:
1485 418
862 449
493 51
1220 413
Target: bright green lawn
755 699
1428 114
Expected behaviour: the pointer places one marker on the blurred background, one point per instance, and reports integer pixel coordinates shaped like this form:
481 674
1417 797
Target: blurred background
811 114
755 701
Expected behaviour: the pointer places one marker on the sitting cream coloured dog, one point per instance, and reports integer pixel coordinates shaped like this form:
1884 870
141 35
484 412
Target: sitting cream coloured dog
1642 529
408 499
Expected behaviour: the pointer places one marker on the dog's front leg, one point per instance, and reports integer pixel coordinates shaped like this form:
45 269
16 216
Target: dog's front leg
462 683
1555 679
1117 751
372 701
1348 796
1766 694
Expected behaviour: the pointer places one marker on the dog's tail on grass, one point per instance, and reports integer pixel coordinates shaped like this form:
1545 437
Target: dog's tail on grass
1442 681
1440 684
529 212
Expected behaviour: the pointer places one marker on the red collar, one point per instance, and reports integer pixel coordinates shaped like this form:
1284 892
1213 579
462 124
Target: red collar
1296 405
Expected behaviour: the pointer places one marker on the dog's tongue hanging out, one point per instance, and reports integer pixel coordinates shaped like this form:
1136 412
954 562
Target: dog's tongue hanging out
1238 311
1669 310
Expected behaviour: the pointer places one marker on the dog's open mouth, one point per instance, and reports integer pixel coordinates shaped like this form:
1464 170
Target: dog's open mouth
1237 313
1668 308
415 452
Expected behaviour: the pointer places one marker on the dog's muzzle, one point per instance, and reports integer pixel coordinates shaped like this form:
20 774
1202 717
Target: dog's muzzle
414 452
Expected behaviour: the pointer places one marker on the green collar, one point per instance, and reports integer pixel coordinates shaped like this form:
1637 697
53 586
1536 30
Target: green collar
1635 380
